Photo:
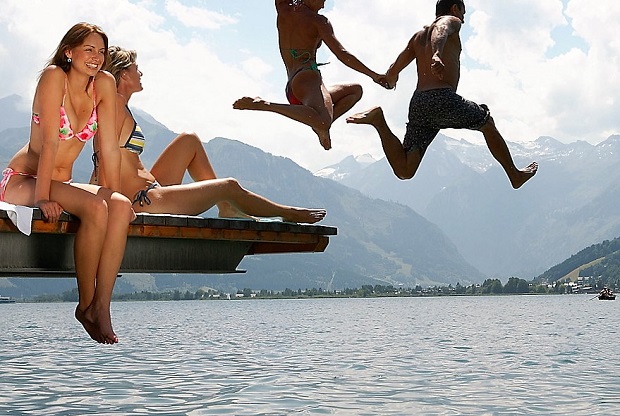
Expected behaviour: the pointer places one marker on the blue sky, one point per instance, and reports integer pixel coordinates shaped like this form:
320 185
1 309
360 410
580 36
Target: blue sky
547 68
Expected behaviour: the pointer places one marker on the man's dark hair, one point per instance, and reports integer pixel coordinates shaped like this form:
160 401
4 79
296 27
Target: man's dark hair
443 6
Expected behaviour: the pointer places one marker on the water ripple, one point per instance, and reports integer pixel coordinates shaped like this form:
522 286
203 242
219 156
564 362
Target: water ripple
441 356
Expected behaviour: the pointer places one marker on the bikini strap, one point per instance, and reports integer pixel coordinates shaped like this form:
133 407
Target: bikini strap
94 94
64 94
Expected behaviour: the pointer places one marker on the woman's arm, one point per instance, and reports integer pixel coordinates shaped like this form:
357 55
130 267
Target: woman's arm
98 177
326 32
107 139
48 101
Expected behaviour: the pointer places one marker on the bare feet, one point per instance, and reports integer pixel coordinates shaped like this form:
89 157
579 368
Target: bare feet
371 116
304 215
257 103
324 138
524 175
249 103
98 323
90 327
227 210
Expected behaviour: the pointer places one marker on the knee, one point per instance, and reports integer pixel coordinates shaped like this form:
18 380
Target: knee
189 138
231 184
489 125
357 91
95 211
120 208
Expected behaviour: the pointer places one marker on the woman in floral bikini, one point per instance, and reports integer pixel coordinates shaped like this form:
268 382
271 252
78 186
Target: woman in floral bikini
72 92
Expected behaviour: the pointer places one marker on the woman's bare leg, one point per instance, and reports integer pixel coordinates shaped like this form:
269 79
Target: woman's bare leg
187 153
197 197
316 112
88 239
99 248
344 97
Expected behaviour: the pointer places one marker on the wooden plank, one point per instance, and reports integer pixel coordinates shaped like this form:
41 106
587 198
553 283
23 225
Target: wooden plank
158 244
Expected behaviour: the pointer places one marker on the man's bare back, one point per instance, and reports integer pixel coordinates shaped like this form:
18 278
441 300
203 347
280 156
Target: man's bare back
435 105
438 70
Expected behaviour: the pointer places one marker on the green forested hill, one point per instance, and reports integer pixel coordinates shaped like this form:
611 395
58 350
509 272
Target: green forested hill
607 269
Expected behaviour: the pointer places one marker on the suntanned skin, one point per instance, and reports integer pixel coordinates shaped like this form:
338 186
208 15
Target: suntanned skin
437 49
104 214
302 28
186 153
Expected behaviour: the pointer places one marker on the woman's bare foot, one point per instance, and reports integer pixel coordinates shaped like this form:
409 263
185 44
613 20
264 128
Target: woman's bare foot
524 175
227 210
304 215
249 103
98 320
371 116
324 138
90 327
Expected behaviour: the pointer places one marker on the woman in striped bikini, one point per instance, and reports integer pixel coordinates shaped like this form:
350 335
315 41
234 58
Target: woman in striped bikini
160 190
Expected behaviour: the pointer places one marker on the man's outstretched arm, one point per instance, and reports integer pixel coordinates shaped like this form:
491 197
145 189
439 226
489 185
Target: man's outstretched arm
402 61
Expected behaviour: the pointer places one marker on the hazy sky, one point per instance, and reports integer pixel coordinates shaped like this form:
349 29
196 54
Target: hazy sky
545 68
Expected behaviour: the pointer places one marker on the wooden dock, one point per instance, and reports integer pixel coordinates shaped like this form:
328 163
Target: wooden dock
157 244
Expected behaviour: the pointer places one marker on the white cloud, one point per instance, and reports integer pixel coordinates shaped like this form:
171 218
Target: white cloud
197 64
198 17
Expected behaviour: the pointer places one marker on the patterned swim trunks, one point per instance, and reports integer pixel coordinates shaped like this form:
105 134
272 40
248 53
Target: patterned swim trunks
433 110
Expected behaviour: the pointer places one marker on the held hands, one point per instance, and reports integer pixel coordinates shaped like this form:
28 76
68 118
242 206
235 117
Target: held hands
51 210
387 81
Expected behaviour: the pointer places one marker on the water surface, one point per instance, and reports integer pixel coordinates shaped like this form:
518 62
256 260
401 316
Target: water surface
516 355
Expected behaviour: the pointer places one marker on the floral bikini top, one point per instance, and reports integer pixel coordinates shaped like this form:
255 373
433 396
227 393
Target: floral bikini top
66 132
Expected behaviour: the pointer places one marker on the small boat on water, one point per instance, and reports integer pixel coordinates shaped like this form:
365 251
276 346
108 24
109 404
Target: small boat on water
606 294
6 299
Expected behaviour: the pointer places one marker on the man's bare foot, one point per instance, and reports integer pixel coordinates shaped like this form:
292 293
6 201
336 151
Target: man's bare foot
303 215
524 175
324 138
371 116
249 103
98 319
227 210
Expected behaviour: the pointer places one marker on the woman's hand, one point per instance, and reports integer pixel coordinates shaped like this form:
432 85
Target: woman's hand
51 210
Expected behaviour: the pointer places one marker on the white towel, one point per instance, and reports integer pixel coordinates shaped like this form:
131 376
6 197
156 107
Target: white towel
20 215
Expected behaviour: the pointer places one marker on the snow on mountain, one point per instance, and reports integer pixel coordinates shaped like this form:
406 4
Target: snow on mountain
346 167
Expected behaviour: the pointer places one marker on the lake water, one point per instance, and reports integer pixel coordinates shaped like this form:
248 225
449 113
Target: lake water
516 355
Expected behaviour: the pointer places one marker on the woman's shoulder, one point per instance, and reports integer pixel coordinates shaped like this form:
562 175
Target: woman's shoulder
53 73
105 84
104 77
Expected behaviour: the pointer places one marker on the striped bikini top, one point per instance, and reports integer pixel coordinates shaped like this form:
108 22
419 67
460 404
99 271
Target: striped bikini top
65 131
135 142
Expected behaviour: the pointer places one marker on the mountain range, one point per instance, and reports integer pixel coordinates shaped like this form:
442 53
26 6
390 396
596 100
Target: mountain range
378 242
457 220
570 204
